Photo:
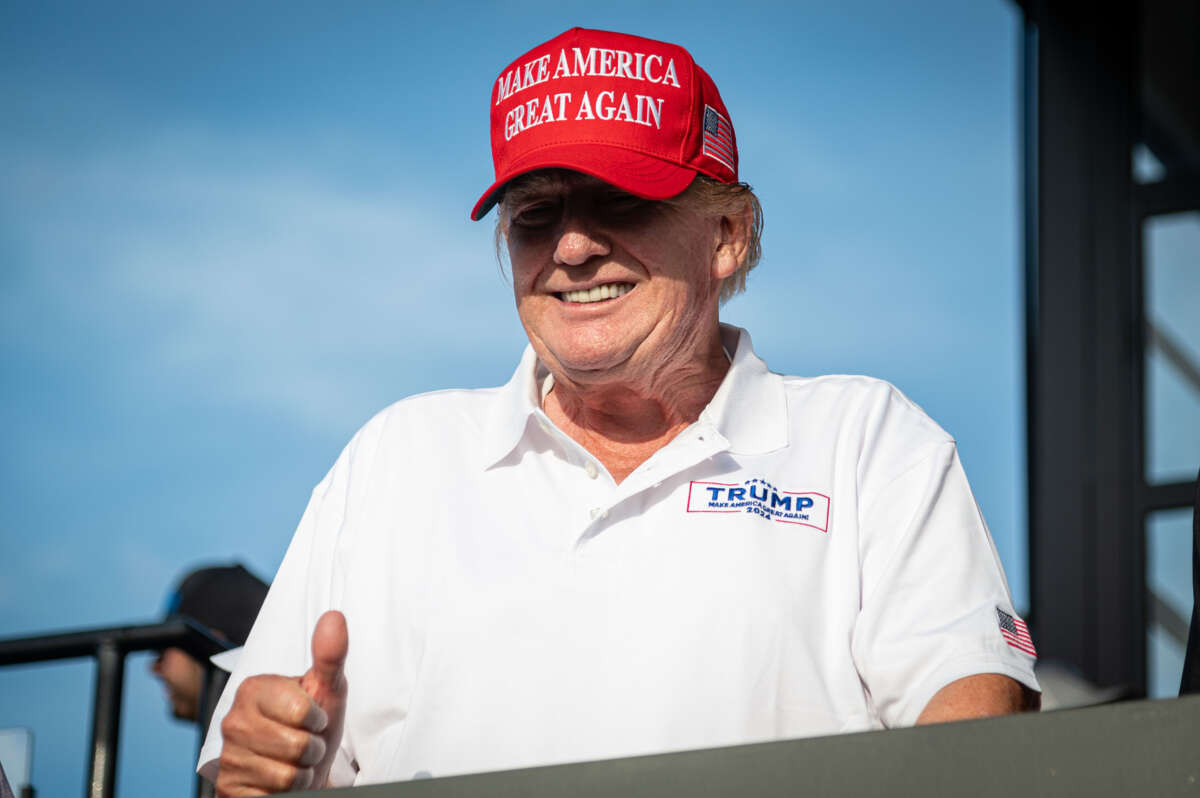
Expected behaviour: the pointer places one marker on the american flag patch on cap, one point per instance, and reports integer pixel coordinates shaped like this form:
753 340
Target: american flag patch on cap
1015 632
718 136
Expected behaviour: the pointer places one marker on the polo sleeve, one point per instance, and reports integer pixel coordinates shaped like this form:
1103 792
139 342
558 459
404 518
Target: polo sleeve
303 589
933 595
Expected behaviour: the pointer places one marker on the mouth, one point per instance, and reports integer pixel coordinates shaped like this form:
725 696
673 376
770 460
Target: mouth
597 293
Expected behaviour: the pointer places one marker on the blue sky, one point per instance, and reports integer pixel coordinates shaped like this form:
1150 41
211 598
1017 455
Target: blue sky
231 233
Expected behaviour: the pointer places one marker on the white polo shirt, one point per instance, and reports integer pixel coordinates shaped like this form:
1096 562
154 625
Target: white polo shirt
805 559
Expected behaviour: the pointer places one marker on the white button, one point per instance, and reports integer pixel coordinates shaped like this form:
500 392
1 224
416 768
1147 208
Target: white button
598 513
591 469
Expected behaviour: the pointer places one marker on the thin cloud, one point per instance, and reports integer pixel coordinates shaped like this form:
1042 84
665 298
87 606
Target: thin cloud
252 281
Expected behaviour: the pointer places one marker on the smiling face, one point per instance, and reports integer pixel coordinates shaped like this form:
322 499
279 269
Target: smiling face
611 287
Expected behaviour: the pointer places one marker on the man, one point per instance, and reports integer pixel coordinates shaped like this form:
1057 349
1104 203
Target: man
645 541
226 599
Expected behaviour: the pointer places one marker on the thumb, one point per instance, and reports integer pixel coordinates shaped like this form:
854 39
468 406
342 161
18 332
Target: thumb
330 644
325 684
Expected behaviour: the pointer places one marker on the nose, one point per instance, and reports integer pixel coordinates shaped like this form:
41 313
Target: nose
579 241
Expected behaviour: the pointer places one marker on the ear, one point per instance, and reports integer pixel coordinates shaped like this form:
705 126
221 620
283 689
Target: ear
733 242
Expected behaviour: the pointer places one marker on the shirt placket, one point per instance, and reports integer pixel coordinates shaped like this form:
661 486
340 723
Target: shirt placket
694 445
588 488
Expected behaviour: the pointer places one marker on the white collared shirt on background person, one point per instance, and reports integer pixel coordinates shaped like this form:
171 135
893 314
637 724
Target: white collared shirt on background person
805 559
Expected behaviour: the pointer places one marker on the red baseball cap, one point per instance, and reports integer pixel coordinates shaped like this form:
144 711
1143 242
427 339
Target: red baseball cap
637 113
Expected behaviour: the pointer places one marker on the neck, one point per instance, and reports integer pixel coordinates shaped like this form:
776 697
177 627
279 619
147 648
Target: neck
625 421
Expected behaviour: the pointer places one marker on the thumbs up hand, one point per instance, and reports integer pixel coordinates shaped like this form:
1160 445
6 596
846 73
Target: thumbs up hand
282 733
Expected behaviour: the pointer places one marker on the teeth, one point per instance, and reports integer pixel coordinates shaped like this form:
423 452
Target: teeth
597 293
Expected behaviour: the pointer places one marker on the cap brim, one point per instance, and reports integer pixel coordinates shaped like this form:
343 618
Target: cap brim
641 175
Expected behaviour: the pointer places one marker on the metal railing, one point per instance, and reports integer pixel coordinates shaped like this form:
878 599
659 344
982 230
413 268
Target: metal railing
109 647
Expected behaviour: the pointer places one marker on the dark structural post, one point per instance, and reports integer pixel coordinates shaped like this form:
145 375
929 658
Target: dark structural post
106 719
1084 328
214 683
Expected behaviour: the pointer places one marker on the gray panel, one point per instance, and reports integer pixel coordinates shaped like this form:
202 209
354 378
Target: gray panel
1139 748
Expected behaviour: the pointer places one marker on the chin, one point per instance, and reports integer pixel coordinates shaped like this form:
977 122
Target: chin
597 364
184 713
591 354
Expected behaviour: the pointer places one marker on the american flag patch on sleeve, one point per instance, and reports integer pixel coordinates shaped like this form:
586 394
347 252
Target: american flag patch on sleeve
1015 632
718 136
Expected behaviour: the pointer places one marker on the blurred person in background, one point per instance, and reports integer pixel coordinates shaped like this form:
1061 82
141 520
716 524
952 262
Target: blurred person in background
224 598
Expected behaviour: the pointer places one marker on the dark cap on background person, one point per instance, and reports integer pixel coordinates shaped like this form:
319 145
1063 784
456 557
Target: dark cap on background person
225 598
637 113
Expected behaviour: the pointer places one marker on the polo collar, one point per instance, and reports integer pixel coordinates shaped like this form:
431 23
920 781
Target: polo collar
749 409
516 404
